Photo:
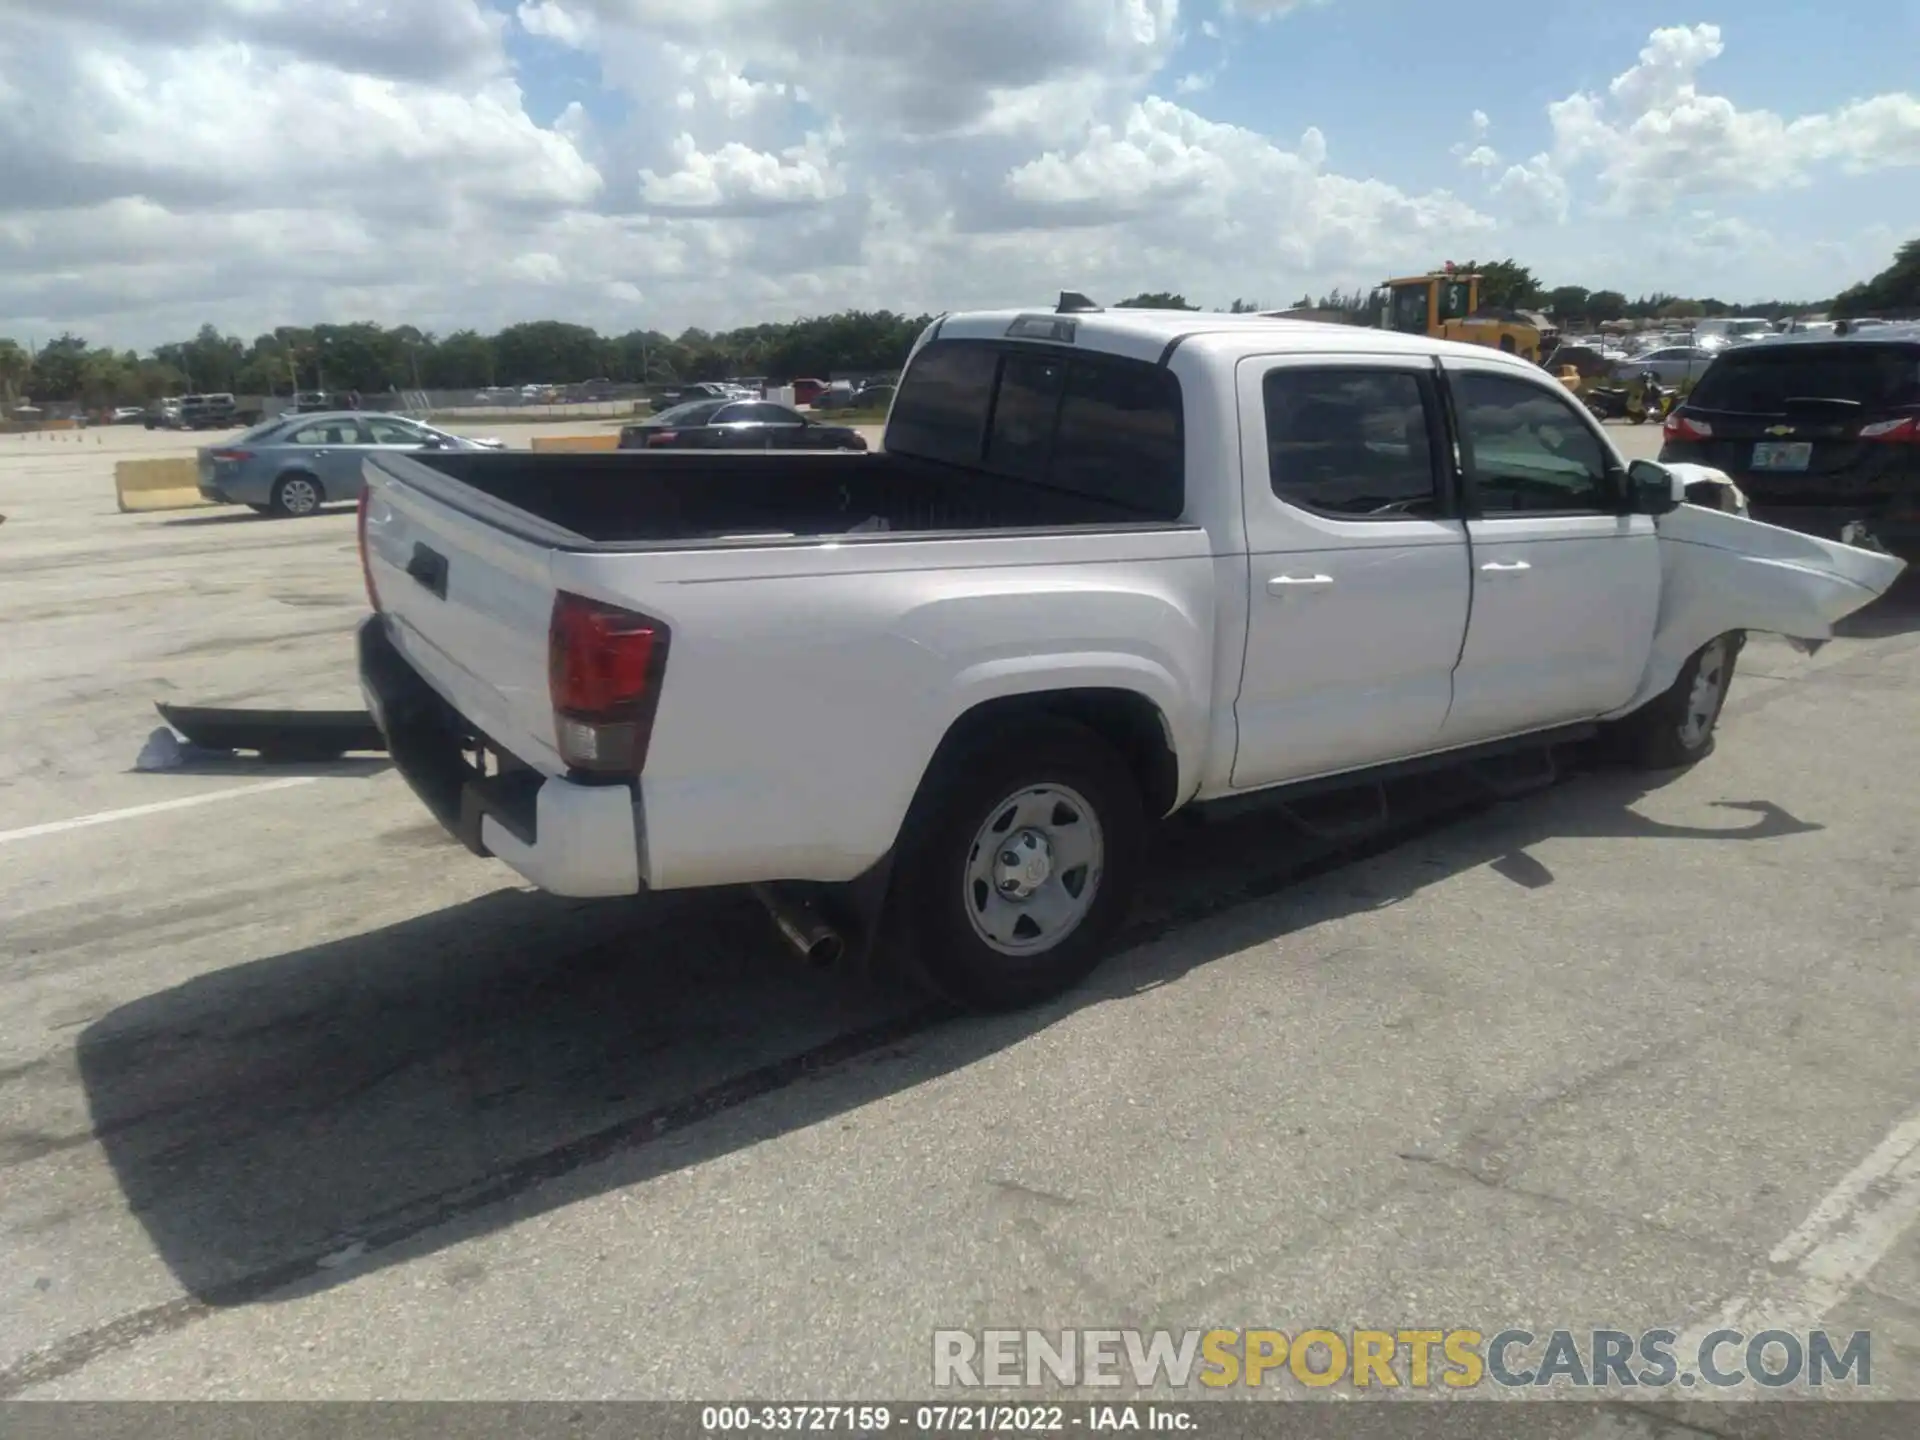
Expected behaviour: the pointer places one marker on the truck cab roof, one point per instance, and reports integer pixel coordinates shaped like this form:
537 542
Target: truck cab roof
1156 335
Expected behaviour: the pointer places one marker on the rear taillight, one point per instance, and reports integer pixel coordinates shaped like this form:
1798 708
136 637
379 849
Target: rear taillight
230 457
1893 432
1685 427
663 437
366 558
604 668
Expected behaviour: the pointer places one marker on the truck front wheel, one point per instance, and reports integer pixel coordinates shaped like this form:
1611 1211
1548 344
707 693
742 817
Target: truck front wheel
1676 729
1023 855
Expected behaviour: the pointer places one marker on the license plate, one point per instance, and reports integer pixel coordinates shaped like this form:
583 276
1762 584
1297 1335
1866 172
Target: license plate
1782 454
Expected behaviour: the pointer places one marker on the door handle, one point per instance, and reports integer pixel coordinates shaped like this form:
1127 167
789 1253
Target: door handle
1495 567
1285 584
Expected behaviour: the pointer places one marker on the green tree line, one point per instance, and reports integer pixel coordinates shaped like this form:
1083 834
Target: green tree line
376 359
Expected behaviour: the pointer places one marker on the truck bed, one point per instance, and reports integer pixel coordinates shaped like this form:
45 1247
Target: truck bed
638 497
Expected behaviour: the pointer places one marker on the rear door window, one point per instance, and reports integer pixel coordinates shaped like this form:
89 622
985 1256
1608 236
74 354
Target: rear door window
329 432
1764 381
1350 442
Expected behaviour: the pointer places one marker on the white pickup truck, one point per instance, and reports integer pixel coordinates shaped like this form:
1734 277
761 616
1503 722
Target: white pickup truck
1106 565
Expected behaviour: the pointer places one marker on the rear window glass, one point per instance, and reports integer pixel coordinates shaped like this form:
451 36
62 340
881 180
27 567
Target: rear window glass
940 412
1877 377
1024 414
1120 437
1105 428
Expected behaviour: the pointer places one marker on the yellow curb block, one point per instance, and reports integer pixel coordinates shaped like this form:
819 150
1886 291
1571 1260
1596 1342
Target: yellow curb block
171 484
577 442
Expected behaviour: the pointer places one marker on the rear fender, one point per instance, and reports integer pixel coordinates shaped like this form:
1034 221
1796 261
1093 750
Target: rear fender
1720 573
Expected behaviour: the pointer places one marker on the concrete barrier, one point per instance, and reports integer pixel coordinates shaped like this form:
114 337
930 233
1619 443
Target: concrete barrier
169 484
609 441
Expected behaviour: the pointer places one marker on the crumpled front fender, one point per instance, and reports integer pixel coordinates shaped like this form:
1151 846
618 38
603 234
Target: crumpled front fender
1721 573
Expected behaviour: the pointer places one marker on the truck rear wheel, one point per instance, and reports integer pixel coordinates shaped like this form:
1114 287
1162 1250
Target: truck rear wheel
1676 728
1025 855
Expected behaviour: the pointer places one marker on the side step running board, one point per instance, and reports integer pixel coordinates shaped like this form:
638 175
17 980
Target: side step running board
1340 817
1520 773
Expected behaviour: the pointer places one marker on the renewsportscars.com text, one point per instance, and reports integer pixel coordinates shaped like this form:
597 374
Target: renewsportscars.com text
1415 1359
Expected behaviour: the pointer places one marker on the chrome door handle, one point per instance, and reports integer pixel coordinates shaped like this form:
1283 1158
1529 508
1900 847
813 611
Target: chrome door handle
1494 567
1282 584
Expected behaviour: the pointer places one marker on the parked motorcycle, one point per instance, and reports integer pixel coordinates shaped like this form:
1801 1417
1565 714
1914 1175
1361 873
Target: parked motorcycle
1655 401
1645 400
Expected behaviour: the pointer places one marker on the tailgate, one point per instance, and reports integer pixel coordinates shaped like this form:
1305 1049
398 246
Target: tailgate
467 603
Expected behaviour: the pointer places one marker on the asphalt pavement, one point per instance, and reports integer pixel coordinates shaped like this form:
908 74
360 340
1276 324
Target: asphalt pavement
300 1100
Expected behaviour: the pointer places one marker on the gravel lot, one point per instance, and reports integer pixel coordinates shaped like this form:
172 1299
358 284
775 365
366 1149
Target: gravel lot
299 1100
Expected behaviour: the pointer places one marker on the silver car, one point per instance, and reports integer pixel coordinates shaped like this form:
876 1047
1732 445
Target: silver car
1670 364
294 464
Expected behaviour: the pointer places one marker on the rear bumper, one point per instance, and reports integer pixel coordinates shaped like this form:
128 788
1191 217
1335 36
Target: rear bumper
565 837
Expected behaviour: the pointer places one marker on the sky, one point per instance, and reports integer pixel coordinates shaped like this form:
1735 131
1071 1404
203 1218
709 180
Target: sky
671 163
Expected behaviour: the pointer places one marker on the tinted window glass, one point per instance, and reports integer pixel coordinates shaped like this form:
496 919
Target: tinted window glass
395 432
1352 443
1877 377
328 432
1409 309
1529 450
941 410
766 414
1024 413
696 413
1120 437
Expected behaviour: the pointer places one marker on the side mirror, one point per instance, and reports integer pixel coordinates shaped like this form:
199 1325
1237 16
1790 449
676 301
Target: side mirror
1654 489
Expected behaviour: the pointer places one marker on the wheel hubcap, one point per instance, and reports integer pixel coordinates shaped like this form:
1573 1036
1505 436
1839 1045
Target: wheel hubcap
1703 700
1034 869
298 496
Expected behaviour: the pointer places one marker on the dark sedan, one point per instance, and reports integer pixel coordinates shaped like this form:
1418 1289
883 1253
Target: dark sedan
737 425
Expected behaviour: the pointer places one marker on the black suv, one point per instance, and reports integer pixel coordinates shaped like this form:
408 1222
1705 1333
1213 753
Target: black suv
1821 431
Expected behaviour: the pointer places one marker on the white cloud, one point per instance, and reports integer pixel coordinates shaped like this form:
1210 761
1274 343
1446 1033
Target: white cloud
1268 9
261 162
1178 173
738 179
1657 138
551 20
1538 193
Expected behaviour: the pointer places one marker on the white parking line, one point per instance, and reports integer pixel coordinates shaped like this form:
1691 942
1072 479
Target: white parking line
1843 1237
107 817
1816 1267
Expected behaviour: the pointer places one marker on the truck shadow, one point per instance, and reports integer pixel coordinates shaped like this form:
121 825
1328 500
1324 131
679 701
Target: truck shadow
285 1125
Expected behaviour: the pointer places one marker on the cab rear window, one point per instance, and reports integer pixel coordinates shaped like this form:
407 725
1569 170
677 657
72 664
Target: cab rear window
1100 426
1764 380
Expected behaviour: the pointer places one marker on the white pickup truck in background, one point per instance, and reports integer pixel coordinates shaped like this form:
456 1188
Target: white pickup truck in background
1105 566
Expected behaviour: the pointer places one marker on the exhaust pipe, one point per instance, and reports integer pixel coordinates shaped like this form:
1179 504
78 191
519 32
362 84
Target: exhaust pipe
811 938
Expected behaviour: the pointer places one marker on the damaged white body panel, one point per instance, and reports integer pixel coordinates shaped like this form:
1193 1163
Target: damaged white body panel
1720 573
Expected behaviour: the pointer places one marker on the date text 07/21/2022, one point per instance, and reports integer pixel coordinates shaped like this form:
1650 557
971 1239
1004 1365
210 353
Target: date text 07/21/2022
957 1419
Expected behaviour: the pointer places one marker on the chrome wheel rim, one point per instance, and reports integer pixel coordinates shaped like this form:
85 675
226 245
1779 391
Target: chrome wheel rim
1033 870
1703 700
298 497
